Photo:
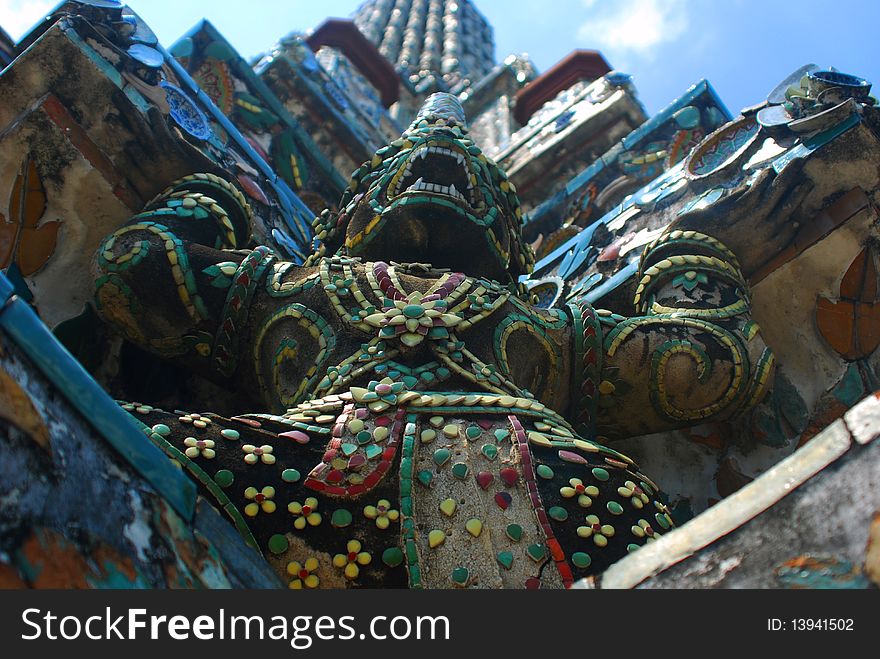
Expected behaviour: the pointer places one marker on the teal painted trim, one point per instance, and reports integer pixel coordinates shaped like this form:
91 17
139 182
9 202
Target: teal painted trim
815 142
821 139
697 90
100 63
113 423
710 90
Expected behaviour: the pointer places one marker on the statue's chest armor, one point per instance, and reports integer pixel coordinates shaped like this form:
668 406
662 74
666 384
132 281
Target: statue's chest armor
433 490
365 322
470 510
478 513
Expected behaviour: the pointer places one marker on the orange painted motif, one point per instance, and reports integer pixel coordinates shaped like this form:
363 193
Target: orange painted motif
22 240
851 325
16 408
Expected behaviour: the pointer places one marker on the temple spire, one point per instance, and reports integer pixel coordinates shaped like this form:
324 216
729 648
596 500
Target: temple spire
439 44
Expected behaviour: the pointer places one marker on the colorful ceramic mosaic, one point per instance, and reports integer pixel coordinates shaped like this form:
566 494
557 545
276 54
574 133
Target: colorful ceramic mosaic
389 400
416 410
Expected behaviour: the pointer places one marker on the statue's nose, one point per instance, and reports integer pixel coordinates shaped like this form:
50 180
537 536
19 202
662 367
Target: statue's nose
441 108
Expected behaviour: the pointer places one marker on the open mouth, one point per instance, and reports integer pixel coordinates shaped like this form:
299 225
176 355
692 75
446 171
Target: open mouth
438 170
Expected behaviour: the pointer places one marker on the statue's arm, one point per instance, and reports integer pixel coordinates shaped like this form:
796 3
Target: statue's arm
692 354
173 280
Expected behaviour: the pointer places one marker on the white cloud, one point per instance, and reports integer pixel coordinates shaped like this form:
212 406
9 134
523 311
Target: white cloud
19 16
633 27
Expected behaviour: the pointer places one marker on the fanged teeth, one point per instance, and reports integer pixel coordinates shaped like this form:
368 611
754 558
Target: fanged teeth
450 190
421 185
439 149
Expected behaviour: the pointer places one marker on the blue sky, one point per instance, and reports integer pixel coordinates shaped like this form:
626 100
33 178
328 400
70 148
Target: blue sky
743 47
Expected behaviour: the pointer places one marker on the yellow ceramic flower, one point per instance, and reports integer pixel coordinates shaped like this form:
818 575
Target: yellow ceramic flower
304 513
382 513
350 563
304 576
199 448
644 529
584 493
634 493
596 530
260 500
254 454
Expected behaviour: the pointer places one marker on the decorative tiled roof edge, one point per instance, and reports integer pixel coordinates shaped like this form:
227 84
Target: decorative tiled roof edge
24 328
480 93
577 183
345 36
576 66
336 121
297 217
294 211
244 70
860 426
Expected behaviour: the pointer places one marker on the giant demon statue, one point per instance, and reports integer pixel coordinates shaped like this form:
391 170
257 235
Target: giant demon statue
422 423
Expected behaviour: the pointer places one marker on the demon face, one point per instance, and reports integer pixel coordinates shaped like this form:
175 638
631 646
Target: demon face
431 196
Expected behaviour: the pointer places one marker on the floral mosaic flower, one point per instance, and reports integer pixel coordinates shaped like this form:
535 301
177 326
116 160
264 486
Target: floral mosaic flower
305 513
379 395
382 513
254 454
197 420
612 385
644 530
596 530
371 352
303 574
260 500
414 318
352 561
340 285
634 493
584 493
199 448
